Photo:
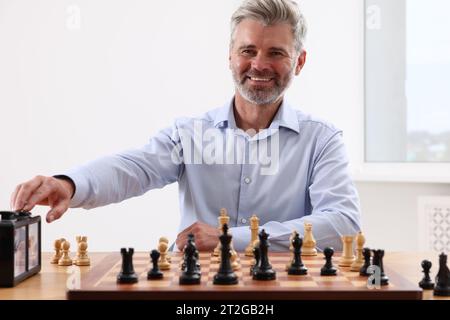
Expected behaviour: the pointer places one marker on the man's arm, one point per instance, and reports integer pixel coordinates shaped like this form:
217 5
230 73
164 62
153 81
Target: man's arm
105 180
131 173
334 204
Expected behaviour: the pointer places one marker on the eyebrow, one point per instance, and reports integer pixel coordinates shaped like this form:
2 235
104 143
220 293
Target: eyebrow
251 46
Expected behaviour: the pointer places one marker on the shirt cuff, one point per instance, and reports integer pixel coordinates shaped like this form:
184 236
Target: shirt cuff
81 188
241 237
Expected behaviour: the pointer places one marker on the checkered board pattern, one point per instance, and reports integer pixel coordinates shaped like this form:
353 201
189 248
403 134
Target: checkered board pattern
101 282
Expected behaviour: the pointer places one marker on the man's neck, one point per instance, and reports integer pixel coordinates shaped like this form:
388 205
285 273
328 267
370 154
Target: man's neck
251 116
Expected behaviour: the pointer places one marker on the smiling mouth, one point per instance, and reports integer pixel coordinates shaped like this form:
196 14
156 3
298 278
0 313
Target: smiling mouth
259 80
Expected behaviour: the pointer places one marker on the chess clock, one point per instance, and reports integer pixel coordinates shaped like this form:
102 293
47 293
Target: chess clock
20 247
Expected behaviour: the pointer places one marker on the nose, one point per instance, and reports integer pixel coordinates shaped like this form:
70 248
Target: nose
260 62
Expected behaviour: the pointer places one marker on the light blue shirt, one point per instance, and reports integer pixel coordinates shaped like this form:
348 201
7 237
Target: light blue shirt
293 172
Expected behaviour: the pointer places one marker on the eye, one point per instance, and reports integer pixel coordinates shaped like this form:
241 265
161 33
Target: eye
276 53
248 52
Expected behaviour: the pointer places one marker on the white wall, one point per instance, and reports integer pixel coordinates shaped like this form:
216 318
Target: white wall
74 89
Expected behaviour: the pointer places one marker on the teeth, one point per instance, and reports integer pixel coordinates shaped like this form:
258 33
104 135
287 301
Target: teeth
260 79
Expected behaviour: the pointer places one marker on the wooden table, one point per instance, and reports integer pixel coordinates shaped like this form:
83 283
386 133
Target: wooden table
51 282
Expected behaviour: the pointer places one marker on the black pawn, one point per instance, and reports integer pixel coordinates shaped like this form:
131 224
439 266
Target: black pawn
190 274
328 269
127 274
225 274
154 272
257 255
191 238
442 287
426 283
297 267
264 270
367 254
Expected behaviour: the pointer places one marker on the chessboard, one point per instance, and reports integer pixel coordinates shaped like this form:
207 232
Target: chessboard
100 282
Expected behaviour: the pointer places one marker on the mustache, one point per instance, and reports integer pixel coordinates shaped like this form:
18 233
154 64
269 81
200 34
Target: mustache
258 74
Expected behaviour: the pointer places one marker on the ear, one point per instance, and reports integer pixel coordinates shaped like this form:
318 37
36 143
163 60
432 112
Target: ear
230 50
300 62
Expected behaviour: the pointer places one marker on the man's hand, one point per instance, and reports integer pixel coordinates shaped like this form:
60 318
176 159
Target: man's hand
206 236
41 190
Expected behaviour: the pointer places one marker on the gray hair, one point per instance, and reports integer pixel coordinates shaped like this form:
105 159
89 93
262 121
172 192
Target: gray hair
271 12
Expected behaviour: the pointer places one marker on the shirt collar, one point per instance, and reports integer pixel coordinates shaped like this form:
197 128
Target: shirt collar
286 117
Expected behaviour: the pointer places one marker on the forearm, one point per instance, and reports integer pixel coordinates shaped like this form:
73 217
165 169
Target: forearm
328 227
131 173
105 180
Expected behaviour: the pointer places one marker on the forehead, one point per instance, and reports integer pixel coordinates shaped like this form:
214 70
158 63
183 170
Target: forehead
253 32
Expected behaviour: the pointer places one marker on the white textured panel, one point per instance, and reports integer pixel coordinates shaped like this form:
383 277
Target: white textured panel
434 223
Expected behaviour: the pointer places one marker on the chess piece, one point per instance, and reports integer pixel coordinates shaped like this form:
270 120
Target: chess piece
254 226
367 253
223 219
328 269
291 248
359 261
154 272
256 255
347 254
426 282
378 261
309 243
225 275
163 263
127 274
190 274
65 258
297 267
166 241
442 287
82 258
264 270
234 259
57 246
191 239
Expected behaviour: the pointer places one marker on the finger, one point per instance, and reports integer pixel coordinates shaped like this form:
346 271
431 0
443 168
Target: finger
180 244
25 192
182 239
14 196
57 211
38 195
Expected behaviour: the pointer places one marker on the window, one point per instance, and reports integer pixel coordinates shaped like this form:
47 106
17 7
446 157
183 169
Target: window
407 81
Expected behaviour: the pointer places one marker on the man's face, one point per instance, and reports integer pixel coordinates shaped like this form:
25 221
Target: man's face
263 61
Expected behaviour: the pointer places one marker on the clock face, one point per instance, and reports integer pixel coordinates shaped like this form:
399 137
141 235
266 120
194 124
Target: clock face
20 247
33 245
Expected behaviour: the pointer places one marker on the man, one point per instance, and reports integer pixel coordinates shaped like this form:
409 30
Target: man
221 159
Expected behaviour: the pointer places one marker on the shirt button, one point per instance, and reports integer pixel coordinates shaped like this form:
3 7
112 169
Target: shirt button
244 221
247 180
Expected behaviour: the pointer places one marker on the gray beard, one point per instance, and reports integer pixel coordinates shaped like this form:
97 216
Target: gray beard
261 96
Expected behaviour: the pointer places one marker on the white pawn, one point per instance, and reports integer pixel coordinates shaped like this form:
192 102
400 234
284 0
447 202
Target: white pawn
163 263
359 261
65 258
82 258
57 245
166 241
234 260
